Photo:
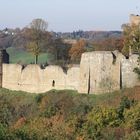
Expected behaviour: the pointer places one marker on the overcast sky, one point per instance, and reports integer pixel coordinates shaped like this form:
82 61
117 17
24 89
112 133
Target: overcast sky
68 15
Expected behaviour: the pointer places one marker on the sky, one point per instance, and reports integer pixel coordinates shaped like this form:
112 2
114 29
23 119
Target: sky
68 15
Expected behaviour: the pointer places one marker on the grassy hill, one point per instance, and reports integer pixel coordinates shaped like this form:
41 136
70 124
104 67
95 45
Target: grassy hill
67 115
23 57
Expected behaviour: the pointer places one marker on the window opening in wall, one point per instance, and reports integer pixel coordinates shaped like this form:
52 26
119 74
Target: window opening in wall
53 83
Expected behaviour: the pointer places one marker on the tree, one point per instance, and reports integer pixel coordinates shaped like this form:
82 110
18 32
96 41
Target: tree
109 44
38 37
131 38
59 49
5 40
132 41
77 49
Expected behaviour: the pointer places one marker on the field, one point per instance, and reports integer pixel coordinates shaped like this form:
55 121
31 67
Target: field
22 57
67 115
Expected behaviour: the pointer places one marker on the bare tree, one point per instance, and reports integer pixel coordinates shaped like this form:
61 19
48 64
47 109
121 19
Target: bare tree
39 25
37 37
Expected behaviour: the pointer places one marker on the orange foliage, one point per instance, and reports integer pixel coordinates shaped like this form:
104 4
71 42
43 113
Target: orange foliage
77 49
20 122
109 44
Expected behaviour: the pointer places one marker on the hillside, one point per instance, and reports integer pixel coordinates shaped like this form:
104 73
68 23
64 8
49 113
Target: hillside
67 115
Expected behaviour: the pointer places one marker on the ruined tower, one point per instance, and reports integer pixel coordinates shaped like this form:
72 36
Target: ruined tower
134 19
100 72
4 58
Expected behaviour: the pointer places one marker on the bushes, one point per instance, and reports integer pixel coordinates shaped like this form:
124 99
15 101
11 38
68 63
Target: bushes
24 134
124 104
132 117
137 71
5 133
2 132
65 115
91 131
50 111
5 114
135 135
104 117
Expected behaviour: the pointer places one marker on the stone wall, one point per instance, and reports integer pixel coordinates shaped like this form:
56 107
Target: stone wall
100 72
129 77
34 79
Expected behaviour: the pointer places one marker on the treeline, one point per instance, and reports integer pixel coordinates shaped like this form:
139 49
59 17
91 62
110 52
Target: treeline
89 35
63 51
64 48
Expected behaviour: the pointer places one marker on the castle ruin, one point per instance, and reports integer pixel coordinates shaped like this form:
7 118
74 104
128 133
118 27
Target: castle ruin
98 72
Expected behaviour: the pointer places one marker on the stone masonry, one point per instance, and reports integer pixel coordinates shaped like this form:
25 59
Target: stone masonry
99 72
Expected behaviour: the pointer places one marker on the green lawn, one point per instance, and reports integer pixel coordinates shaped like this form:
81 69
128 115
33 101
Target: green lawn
23 57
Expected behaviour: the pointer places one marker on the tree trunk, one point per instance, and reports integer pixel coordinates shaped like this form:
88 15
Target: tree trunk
36 59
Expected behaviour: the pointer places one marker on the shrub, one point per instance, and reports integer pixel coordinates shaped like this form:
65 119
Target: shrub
124 104
104 117
135 135
2 132
5 134
132 117
24 134
38 98
5 114
91 131
50 111
137 71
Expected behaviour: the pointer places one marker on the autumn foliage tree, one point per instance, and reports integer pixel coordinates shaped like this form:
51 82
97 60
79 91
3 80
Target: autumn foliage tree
59 50
131 35
132 42
38 37
76 50
109 44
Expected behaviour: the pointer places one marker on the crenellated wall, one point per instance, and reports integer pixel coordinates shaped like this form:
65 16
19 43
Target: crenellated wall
34 79
99 72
